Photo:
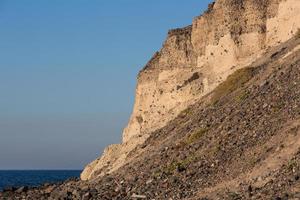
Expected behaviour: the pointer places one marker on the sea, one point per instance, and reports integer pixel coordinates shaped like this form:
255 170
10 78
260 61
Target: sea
18 178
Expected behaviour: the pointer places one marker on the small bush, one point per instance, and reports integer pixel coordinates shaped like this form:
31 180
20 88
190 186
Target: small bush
277 107
233 82
174 166
215 149
292 165
179 166
242 96
234 196
185 112
156 174
196 135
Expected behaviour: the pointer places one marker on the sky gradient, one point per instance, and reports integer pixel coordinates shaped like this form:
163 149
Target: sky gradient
68 73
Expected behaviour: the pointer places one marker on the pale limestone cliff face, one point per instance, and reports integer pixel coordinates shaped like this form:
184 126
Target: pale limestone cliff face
194 60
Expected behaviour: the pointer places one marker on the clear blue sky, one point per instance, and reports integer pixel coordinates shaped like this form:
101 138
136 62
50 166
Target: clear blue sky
68 73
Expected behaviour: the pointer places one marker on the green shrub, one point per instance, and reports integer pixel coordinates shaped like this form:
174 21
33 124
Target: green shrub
185 112
233 82
292 164
179 166
196 135
234 196
241 96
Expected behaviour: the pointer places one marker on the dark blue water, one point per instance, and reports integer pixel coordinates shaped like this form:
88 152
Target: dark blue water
34 178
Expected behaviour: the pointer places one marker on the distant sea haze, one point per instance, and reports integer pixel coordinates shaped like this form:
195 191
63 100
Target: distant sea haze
18 178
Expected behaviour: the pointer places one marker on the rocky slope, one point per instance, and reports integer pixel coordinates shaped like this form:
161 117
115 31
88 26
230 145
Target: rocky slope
194 60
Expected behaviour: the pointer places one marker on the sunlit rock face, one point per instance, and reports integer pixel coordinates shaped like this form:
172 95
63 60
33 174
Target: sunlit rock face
230 35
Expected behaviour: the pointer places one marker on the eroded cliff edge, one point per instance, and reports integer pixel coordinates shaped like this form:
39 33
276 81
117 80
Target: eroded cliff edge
230 35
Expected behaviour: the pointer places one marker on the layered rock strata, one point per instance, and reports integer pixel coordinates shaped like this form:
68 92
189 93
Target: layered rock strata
193 61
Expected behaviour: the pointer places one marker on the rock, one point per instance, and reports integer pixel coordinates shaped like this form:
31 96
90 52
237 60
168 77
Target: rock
250 189
22 189
260 179
46 184
86 196
49 189
181 168
297 195
85 188
9 189
149 181
136 196
76 194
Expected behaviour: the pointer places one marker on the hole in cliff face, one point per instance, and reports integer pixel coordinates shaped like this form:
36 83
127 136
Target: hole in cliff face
194 77
140 119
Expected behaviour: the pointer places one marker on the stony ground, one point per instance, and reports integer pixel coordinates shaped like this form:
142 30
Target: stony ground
240 142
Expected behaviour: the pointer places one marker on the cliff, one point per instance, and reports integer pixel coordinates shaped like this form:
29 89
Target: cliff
193 61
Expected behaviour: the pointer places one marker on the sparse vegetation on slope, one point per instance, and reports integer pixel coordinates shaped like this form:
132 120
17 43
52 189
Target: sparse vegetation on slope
197 135
233 82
